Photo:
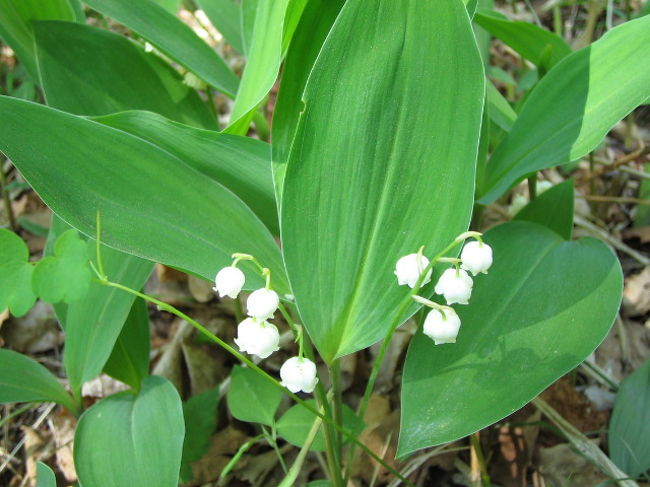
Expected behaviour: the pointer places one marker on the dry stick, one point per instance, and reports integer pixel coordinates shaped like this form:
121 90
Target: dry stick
584 446
618 199
171 309
38 422
609 167
604 235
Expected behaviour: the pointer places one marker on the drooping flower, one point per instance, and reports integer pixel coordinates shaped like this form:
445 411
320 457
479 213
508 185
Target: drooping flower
229 282
442 326
261 304
299 374
476 257
409 268
455 285
257 337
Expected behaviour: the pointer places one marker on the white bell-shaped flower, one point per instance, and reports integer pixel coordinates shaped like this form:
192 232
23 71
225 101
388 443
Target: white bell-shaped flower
257 337
299 374
476 257
409 268
229 282
261 304
442 326
455 285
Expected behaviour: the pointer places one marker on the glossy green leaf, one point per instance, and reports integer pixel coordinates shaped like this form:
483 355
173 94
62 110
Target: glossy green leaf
129 439
241 164
226 16
129 359
172 37
539 46
629 428
544 306
15 274
263 64
552 209
315 23
64 276
383 162
574 106
200 412
16 27
93 326
294 425
22 379
75 82
251 398
170 5
498 108
44 476
152 204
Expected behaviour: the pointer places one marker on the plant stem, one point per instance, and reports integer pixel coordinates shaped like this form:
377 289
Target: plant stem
335 376
291 477
532 186
271 439
176 312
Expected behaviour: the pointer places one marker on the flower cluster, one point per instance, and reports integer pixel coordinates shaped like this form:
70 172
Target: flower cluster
255 335
455 284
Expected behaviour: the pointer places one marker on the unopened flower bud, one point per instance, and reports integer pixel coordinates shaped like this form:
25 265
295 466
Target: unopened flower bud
299 374
476 257
257 337
442 326
261 304
229 282
455 285
409 268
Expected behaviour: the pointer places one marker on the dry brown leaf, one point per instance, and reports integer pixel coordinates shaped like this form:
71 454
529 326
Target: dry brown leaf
642 233
560 465
200 289
35 332
636 293
64 426
223 445
102 386
36 449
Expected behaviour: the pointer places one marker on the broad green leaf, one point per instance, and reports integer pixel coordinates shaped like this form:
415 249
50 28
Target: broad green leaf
294 11
93 326
241 164
64 276
629 428
129 359
251 398
152 204
294 425
544 306
383 162
226 16
129 439
200 412
263 64
75 82
172 37
574 106
16 292
552 209
22 379
539 46
16 28
315 23
498 108
248 14
170 5
44 476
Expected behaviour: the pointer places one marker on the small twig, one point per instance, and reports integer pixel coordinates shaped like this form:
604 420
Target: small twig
20 444
609 167
617 199
614 242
